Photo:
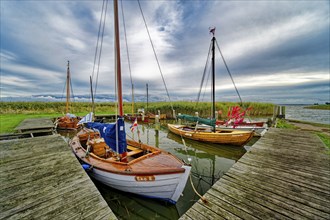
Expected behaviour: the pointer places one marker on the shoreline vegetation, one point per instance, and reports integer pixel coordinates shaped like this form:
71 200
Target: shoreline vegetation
320 107
12 113
257 109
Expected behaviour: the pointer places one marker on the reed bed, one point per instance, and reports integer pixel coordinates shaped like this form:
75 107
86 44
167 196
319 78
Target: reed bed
203 108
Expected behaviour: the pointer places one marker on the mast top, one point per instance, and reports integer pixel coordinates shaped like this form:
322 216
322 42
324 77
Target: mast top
212 30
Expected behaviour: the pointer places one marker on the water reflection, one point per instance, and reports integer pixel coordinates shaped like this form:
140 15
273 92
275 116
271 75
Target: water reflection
209 162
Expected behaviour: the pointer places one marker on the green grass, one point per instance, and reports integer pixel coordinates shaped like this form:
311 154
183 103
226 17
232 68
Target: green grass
326 140
9 121
12 113
320 107
282 123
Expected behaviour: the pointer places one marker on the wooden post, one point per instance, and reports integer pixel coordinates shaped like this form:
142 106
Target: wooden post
179 121
196 114
174 116
157 128
279 112
157 123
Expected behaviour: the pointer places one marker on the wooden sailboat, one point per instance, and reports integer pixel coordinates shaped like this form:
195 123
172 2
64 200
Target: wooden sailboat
69 121
124 164
211 134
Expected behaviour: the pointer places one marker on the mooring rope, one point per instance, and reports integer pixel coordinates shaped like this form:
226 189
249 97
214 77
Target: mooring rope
191 182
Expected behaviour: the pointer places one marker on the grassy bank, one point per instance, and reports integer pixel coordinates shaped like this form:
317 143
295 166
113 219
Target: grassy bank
12 113
257 109
320 107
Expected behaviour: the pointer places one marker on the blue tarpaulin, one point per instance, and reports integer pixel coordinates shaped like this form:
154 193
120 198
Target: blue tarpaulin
110 133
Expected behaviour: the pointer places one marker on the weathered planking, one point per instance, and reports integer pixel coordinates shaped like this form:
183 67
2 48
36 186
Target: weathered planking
41 179
35 124
285 175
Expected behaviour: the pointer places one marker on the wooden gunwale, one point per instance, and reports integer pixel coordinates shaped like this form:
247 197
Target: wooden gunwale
127 168
226 135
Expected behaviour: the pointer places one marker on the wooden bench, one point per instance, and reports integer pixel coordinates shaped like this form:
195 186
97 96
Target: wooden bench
133 150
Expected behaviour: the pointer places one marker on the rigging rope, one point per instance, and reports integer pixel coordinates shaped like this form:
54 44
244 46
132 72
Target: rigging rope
205 69
231 77
152 45
127 52
98 55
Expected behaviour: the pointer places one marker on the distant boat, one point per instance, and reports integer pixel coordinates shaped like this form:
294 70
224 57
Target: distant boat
212 135
258 130
125 164
236 121
69 121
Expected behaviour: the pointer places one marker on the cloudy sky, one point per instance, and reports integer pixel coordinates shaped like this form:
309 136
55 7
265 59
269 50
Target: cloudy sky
277 51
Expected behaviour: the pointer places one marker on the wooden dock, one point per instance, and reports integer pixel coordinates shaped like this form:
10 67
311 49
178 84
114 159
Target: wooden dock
285 175
36 126
40 178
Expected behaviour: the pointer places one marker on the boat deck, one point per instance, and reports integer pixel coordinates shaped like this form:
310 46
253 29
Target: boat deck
285 175
42 179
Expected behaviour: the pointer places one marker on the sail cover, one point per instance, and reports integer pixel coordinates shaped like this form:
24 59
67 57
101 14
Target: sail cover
110 133
210 122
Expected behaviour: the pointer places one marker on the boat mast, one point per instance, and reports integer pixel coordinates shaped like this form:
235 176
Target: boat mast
117 57
67 88
213 75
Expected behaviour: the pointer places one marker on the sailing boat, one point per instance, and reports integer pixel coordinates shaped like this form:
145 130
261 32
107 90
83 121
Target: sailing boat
210 133
69 121
125 164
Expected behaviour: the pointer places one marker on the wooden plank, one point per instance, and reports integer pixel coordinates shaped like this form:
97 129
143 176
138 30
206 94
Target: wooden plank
309 195
285 164
292 205
42 179
313 179
224 209
285 175
255 210
264 199
313 205
35 123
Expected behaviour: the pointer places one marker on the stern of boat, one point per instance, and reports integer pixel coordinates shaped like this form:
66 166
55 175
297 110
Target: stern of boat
182 184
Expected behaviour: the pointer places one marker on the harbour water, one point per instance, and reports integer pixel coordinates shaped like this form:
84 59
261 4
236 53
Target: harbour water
298 112
209 162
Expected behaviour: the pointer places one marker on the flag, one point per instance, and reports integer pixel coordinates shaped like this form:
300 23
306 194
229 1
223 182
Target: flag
212 30
87 118
135 124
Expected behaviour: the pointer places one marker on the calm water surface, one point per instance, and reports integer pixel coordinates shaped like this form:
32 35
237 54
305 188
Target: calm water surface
209 162
298 112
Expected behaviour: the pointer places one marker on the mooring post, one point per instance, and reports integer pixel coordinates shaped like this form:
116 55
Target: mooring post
179 121
174 116
157 123
216 113
157 127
